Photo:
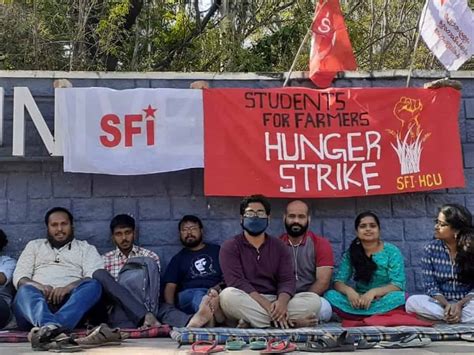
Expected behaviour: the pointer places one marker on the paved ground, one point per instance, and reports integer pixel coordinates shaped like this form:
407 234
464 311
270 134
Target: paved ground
168 346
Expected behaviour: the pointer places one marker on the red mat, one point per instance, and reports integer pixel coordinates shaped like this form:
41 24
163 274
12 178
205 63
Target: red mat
394 318
17 336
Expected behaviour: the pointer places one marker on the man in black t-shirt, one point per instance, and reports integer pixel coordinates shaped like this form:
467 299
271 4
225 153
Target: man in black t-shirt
194 270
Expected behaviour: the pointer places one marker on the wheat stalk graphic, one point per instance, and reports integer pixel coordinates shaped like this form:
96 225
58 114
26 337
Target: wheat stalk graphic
410 137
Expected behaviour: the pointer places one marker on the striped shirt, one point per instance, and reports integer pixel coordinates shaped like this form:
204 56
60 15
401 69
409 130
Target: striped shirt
440 274
114 260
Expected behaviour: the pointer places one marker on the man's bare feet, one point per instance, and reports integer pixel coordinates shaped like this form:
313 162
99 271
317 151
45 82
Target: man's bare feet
243 324
150 321
203 315
309 321
215 306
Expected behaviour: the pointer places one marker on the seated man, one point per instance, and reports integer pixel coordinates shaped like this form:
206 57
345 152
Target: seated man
260 276
194 270
7 265
312 256
53 279
129 309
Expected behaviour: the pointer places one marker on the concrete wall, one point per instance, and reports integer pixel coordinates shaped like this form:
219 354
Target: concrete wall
31 185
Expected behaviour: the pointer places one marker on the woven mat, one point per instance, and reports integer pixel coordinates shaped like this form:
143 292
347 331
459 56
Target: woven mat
300 335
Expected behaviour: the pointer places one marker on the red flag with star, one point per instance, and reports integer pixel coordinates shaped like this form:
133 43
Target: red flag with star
331 49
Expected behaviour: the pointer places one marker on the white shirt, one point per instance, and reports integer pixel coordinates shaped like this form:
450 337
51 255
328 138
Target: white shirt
42 263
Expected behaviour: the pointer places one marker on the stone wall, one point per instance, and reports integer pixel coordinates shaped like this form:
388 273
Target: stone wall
32 184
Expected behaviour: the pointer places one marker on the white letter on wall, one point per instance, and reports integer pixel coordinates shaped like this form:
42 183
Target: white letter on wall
22 98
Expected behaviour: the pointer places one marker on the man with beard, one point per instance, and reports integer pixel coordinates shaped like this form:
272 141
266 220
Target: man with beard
312 256
53 278
258 272
126 310
194 277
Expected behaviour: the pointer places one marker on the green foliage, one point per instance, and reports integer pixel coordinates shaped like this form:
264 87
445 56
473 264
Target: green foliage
179 35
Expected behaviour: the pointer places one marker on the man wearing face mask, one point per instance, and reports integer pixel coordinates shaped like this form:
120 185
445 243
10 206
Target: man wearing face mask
258 271
312 255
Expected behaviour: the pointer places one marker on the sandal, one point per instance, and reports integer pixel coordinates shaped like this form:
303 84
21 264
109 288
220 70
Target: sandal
409 341
206 347
258 343
60 343
329 343
100 336
48 338
63 344
276 346
346 340
235 343
363 344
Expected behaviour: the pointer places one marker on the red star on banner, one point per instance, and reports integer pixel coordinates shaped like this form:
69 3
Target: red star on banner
150 111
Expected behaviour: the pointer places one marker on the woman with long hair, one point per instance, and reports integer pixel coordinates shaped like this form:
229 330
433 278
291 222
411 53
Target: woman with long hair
448 269
377 268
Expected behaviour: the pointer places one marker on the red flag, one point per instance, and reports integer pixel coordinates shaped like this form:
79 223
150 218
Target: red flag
331 49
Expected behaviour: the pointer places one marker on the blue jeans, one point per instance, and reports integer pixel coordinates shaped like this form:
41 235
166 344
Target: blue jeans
31 308
190 299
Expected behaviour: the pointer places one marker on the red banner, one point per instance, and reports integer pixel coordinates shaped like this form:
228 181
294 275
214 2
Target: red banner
297 142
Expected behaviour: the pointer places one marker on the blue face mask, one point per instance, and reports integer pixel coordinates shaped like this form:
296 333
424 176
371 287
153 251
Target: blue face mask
254 225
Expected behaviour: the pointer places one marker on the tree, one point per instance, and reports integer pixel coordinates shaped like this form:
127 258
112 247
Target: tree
199 35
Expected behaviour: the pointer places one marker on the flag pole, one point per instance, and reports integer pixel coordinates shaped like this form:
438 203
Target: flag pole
417 40
308 33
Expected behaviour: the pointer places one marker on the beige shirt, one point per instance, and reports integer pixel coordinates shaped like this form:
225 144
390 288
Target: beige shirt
40 262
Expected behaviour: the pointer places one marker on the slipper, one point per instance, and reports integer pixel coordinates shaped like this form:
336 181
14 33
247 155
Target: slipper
206 347
276 346
258 344
409 341
329 343
468 337
235 343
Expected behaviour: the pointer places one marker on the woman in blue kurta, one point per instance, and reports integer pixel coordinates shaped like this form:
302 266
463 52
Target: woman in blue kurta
448 269
377 269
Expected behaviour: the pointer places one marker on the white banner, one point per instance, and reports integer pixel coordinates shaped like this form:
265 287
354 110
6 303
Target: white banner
447 27
131 132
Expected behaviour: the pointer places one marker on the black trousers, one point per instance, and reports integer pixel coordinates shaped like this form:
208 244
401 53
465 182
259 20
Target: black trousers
5 313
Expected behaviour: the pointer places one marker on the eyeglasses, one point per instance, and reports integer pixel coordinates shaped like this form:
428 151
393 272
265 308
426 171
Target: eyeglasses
189 229
259 214
440 223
